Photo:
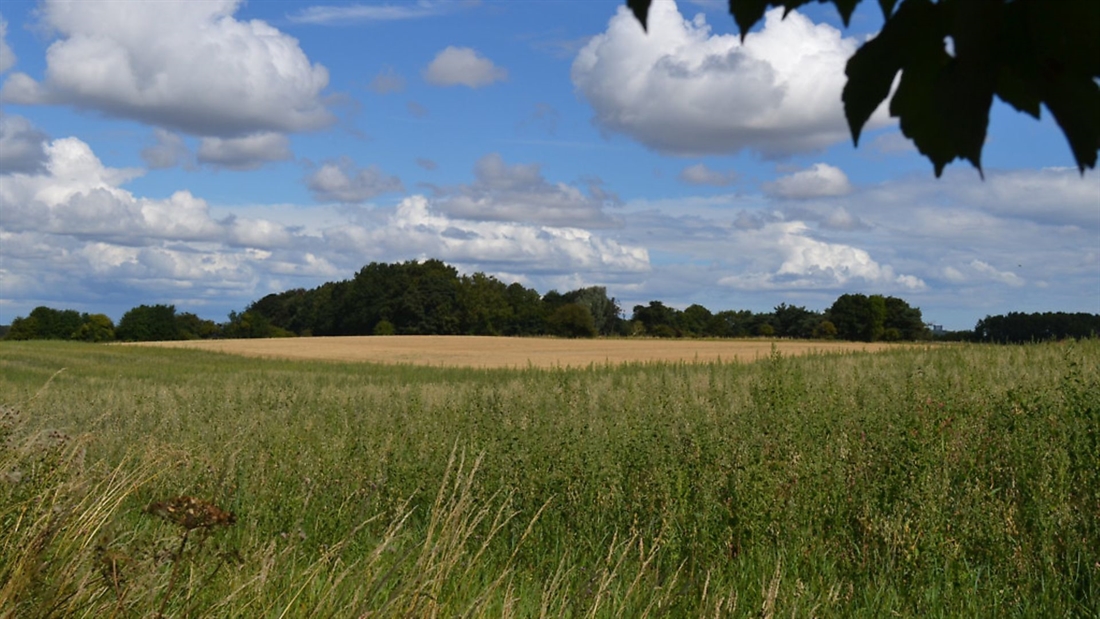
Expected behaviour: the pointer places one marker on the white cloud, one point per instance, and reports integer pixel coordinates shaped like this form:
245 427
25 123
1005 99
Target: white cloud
349 13
417 227
245 153
681 90
700 174
462 66
388 80
342 181
7 57
520 193
807 263
168 151
821 180
22 146
188 66
989 271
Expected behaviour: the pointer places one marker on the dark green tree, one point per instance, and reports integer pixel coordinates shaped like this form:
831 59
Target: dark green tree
484 305
96 328
148 323
571 320
1028 53
605 311
694 320
658 319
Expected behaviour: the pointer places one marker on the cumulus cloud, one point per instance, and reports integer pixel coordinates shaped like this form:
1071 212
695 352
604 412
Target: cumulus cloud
342 181
418 226
7 57
700 174
682 90
462 66
188 66
821 180
22 146
805 262
245 153
168 151
520 193
78 196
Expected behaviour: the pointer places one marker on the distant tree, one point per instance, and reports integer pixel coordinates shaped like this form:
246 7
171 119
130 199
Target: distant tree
906 320
571 320
146 323
658 319
730 323
795 321
23 329
96 328
528 316
384 327
1029 53
825 330
191 327
605 311
252 325
1018 327
694 320
483 303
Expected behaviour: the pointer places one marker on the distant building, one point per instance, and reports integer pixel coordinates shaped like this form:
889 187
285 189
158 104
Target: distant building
936 329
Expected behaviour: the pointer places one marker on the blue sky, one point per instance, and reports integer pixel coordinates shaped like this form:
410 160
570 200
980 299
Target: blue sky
206 153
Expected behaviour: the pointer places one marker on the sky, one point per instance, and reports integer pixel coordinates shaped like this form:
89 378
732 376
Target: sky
205 153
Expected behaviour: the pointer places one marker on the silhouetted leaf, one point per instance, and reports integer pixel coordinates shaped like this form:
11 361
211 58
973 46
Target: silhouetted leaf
1075 105
641 11
746 13
887 7
846 8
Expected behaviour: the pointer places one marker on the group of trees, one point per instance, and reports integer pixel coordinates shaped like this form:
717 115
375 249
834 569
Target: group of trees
142 323
854 317
431 298
1016 327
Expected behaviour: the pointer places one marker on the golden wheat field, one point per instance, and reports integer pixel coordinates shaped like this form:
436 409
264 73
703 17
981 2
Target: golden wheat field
505 352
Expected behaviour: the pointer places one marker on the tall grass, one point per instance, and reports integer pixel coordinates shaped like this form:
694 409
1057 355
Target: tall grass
949 481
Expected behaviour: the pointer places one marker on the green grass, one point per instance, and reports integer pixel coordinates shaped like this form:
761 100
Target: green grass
953 481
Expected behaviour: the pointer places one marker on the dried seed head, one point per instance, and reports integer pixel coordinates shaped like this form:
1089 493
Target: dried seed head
191 513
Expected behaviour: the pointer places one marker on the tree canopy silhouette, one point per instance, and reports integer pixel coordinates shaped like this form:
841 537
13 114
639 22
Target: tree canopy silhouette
1029 53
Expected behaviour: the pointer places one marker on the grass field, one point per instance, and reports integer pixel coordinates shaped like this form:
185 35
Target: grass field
511 352
950 481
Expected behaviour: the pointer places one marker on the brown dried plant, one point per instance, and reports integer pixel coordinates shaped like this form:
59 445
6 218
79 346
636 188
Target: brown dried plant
191 513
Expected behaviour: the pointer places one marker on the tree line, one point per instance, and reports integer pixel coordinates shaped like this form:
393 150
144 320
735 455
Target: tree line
431 298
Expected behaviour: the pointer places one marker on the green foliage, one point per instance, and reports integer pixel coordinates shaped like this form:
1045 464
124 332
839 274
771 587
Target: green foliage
1029 53
384 327
571 320
149 323
96 328
604 309
1018 328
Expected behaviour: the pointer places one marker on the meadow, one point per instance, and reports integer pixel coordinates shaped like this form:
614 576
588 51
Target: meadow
947 481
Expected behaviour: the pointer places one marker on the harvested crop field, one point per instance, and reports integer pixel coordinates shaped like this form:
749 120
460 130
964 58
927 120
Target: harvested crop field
503 352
